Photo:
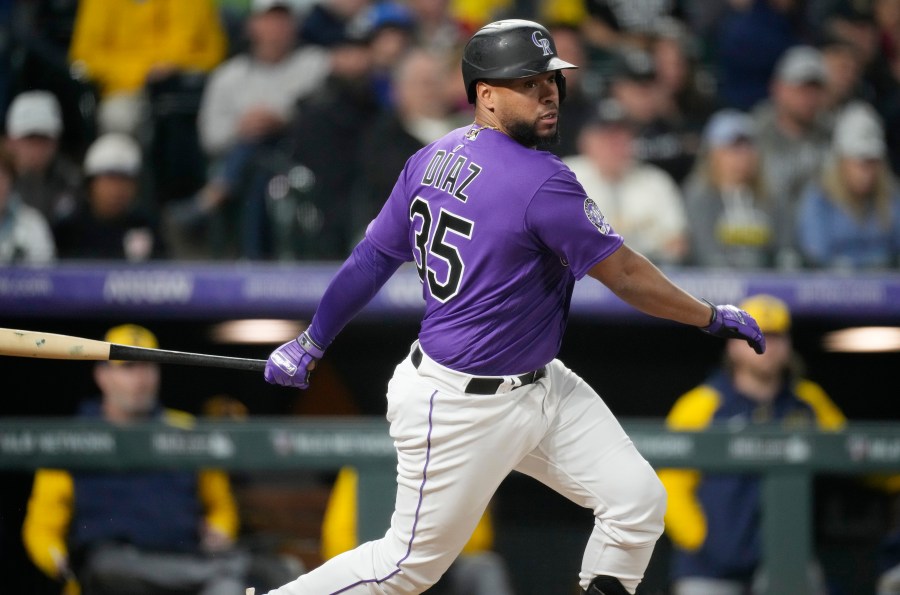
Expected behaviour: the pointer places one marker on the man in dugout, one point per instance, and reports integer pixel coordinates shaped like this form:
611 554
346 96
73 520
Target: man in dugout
712 519
141 532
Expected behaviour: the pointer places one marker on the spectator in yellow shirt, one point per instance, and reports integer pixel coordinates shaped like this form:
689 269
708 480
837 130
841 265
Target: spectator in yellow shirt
122 45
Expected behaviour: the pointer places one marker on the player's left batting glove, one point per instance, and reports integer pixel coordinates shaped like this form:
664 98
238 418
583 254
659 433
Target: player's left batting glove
730 322
289 364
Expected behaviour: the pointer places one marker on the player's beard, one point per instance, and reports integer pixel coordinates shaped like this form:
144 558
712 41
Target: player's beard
525 133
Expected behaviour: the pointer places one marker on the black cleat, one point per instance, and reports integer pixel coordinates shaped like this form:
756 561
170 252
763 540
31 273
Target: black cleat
606 585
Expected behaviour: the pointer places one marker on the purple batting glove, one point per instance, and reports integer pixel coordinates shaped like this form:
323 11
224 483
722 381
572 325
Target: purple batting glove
289 364
730 322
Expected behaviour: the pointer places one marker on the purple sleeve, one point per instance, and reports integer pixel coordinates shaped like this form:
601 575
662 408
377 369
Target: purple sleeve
570 224
389 231
353 286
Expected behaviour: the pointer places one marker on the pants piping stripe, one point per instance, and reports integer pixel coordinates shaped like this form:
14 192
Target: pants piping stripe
418 508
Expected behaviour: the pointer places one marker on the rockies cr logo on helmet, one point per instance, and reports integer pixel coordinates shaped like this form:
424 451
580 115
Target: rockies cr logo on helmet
506 50
542 42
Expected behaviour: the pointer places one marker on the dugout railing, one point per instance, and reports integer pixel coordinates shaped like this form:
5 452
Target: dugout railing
787 461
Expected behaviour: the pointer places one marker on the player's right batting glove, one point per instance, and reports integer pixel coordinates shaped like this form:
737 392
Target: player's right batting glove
730 322
289 364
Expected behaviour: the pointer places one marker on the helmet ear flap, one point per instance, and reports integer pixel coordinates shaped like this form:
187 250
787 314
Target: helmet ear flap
561 84
470 92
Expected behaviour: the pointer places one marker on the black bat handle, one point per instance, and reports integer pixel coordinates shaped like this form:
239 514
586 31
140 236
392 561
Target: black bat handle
163 356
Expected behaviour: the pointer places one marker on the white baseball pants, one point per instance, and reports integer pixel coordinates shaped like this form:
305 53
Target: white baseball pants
454 449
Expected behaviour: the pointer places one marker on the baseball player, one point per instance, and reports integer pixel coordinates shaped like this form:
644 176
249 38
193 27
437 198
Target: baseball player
499 230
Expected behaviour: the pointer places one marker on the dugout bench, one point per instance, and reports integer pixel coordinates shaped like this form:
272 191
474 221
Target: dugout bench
788 461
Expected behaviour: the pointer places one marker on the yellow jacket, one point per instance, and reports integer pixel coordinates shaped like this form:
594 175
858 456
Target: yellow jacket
339 531
51 508
120 41
685 520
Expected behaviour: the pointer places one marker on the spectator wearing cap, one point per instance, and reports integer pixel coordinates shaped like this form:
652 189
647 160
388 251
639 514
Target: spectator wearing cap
330 23
25 235
246 107
138 531
667 142
110 221
390 31
730 213
45 178
713 519
849 217
792 137
122 45
641 200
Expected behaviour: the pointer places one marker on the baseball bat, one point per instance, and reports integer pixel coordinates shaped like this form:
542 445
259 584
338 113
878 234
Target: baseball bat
52 346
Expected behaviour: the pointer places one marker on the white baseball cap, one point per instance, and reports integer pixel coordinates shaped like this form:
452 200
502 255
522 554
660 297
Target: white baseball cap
258 6
113 153
802 64
858 132
34 113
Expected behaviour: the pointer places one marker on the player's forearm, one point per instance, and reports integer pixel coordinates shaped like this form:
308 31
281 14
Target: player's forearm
639 283
354 285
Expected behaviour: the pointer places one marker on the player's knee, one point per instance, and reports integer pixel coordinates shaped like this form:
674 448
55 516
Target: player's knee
642 518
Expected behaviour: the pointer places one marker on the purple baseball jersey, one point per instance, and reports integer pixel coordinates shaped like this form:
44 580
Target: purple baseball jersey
499 233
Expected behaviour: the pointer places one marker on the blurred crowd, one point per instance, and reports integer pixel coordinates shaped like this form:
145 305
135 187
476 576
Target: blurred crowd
714 133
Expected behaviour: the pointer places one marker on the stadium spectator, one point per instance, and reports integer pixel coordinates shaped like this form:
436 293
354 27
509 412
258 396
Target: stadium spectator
314 220
421 114
792 138
122 45
45 178
389 31
331 22
731 214
850 216
713 519
886 15
639 199
688 91
477 571
579 105
749 40
25 235
444 26
110 221
139 531
667 143
855 23
40 43
633 21
247 104
845 81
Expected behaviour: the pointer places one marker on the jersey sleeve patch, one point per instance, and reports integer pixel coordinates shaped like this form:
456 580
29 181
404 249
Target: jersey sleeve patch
592 211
